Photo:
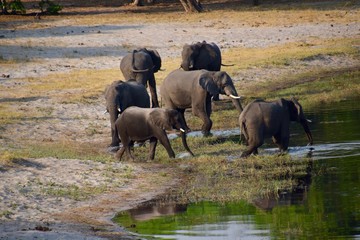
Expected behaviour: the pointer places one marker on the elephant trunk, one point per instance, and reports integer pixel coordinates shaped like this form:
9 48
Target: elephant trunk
184 142
185 65
307 131
231 92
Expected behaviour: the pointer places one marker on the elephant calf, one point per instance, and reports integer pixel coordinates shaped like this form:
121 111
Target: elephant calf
120 95
262 119
141 124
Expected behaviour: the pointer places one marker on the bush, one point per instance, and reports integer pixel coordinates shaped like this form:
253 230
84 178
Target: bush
49 7
15 6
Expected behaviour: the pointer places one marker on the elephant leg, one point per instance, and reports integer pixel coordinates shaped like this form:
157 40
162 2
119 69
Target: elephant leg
207 123
129 146
115 138
282 142
120 153
206 127
153 93
205 116
165 142
153 143
255 141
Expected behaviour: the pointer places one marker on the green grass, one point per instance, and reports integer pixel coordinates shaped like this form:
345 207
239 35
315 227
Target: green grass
313 88
217 173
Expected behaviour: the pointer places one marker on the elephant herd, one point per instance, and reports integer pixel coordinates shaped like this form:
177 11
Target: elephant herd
197 82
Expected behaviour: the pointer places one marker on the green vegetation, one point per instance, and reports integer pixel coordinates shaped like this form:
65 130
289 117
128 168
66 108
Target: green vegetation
17 7
49 7
217 173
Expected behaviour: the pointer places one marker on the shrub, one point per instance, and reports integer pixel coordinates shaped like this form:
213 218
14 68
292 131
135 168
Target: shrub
49 7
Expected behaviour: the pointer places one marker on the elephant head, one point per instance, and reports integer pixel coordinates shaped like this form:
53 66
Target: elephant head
170 119
189 55
221 83
296 114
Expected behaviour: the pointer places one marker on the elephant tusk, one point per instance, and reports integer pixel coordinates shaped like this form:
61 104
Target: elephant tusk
182 130
106 111
235 97
119 109
308 120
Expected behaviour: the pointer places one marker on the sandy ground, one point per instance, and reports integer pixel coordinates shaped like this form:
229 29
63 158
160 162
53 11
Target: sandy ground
26 211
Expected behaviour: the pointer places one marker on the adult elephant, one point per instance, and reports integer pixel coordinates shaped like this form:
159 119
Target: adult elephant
193 89
141 65
141 124
262 119
120 95
201 55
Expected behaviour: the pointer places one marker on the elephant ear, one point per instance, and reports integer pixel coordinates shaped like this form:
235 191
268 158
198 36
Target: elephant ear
155 57
121 89
295 109
159 117
207 83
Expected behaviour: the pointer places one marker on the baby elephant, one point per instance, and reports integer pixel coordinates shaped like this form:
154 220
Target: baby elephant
141 124
262 119
120 95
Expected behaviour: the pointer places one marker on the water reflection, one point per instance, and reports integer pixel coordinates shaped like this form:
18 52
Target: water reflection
325 206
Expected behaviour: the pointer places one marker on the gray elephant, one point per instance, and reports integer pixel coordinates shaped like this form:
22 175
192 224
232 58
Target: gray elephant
262 119
201 55
193 89
141 124
141 65
120 95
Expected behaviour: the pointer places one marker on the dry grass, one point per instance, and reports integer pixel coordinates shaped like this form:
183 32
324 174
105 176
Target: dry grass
218 13
283 54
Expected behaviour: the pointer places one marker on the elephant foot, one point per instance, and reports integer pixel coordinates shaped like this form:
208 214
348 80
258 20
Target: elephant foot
282 153
247 153
207 134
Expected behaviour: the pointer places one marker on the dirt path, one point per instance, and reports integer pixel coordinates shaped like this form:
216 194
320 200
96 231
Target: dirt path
62 46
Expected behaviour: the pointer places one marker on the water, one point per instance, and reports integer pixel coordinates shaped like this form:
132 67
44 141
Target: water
328 208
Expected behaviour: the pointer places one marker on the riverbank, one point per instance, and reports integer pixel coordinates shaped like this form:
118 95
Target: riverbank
58 178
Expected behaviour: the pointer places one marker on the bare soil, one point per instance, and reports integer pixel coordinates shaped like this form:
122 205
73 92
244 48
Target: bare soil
39 47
